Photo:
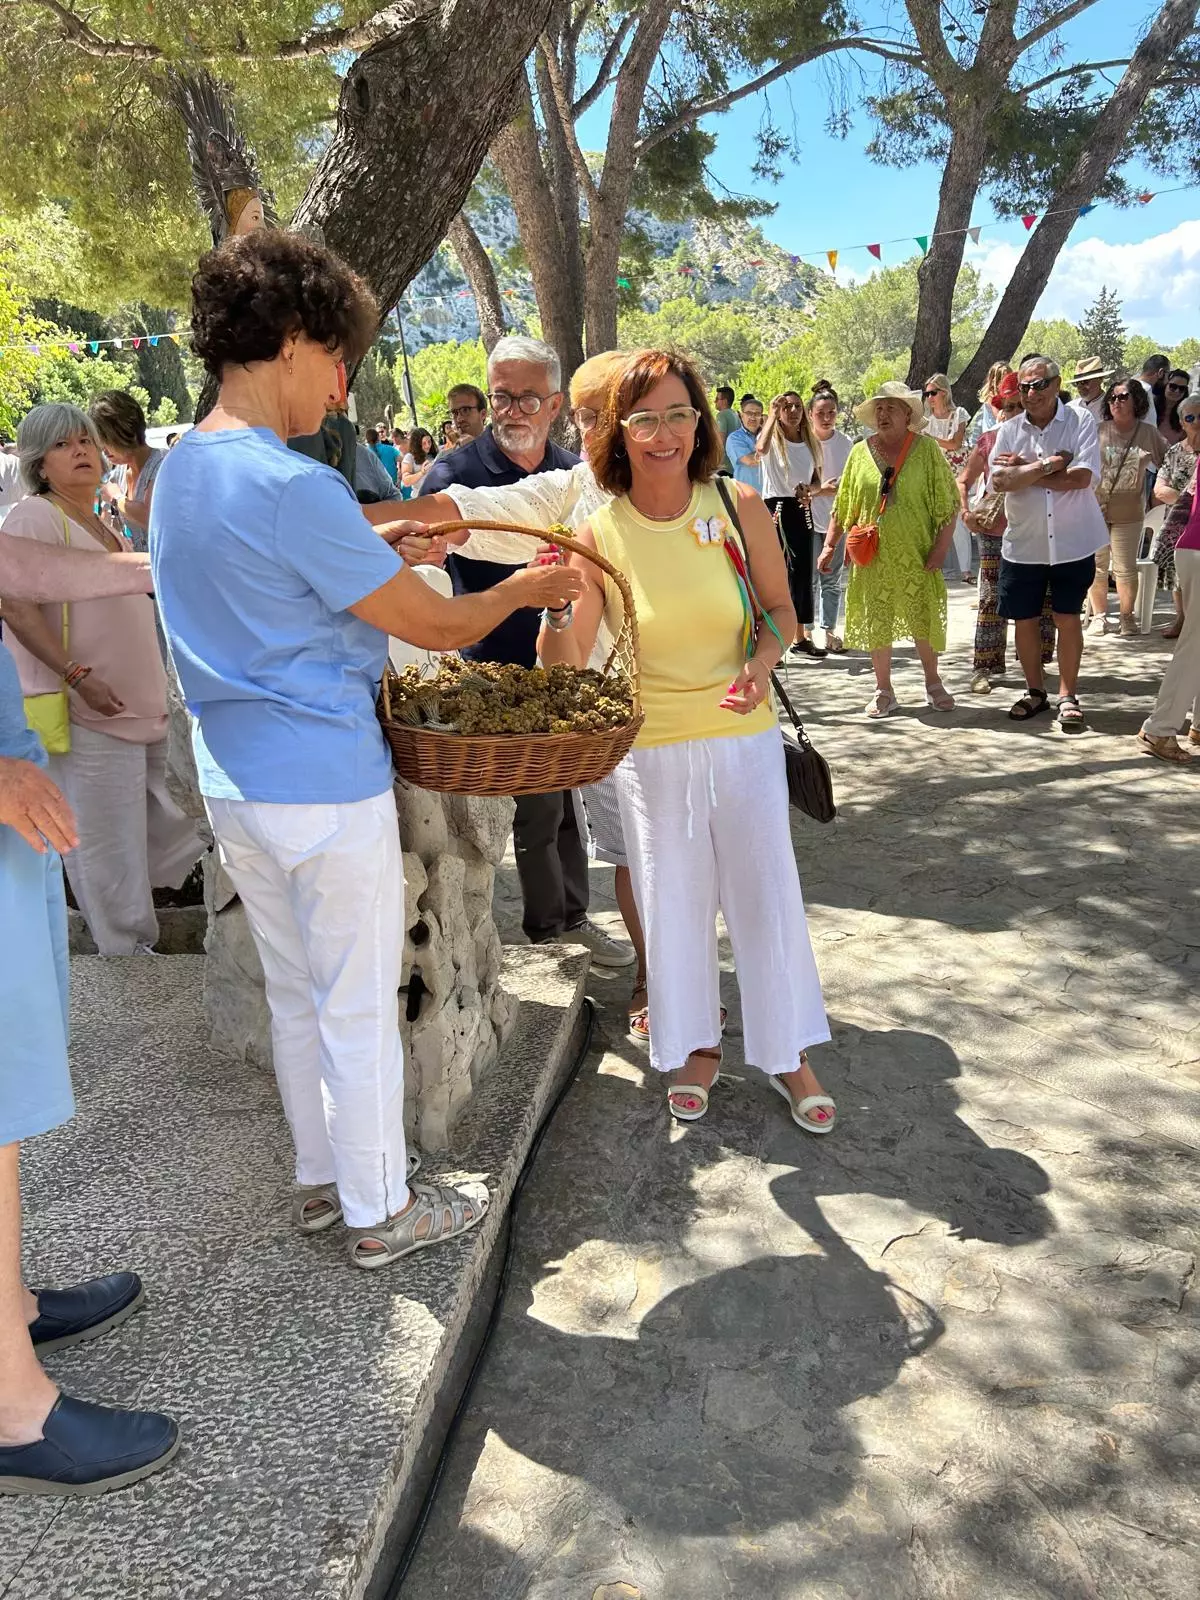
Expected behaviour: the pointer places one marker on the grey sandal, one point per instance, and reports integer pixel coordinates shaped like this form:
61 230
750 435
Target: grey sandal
316 1206
446 1212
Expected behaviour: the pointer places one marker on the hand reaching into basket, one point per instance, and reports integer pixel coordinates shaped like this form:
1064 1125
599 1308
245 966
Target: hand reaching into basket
547 585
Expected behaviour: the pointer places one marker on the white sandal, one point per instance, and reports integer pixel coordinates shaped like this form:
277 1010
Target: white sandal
694 1091
317 1206
882 703
810 1102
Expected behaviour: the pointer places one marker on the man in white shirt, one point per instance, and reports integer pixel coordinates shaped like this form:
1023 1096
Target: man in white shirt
1089 380
1046 461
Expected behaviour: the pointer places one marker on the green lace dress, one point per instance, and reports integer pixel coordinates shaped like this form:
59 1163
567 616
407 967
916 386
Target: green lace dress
895 598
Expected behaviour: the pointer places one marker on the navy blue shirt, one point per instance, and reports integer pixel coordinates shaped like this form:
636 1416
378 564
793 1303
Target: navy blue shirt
480 465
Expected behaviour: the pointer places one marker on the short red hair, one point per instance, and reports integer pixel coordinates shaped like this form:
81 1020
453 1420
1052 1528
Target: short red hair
641 371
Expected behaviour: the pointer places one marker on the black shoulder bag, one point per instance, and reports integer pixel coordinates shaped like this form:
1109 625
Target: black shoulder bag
809 781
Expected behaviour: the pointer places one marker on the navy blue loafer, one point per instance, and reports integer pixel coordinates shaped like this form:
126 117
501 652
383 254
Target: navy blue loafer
88 1449
69 1316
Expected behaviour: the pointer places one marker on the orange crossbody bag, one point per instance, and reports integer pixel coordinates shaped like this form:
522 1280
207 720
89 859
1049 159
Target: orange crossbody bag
862 541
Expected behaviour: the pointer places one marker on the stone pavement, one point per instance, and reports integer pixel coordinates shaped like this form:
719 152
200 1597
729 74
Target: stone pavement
952 1350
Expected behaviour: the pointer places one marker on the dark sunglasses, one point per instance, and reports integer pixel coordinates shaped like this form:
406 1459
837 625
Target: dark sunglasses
1035 385
1178 388
928 394
1120 394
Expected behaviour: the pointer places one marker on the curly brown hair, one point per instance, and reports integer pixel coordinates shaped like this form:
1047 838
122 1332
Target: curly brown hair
255 290
642 370
1137 394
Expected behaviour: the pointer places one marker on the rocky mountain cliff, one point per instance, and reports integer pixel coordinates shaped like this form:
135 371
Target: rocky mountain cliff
712 262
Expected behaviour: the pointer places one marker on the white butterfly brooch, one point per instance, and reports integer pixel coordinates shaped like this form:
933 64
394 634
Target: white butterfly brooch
710 530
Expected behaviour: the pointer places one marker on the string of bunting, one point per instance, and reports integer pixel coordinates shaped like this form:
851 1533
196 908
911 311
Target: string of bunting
93 347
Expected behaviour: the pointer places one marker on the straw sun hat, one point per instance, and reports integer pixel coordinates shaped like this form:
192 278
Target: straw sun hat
894 390
1091 367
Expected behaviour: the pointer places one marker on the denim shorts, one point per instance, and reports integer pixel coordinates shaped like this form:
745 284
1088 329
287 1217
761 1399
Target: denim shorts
35 1081
1023 587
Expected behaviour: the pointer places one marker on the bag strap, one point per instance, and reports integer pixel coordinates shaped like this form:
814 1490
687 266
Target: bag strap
901 459
740 561
775 683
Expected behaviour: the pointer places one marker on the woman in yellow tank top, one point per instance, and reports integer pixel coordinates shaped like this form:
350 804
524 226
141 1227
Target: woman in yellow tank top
703 793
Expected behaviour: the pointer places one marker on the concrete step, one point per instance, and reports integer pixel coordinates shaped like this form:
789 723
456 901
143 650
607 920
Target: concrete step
311 1395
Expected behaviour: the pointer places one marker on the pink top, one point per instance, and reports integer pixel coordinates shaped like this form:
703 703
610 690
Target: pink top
116 638
1189 539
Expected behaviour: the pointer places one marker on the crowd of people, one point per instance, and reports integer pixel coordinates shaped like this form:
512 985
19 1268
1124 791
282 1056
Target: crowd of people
278 582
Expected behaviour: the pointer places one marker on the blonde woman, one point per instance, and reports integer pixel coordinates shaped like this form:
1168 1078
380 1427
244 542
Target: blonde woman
989 409
947 424
791 458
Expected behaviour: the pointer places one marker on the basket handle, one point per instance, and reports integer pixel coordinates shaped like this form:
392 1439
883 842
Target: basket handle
559 536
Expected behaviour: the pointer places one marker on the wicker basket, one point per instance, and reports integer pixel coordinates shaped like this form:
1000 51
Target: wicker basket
520 763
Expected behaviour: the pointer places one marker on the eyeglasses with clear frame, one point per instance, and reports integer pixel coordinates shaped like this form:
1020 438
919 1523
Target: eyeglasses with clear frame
644 425
584 417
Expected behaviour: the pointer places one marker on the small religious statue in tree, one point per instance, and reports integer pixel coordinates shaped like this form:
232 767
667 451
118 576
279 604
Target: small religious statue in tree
224 170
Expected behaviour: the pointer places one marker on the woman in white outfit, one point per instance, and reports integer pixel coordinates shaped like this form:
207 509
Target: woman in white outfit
948 423
278 598
703 794
133 838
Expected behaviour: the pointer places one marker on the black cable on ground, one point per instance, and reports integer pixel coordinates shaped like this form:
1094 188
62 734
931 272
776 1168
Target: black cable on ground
413 1542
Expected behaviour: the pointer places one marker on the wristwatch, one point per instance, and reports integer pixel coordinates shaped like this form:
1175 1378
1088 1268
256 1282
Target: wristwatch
1048 467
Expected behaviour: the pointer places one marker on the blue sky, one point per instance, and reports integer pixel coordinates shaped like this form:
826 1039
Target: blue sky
835 198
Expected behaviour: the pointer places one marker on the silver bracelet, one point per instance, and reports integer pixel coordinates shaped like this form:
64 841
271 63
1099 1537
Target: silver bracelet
558 621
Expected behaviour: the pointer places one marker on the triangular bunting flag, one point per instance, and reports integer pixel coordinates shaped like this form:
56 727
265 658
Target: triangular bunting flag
1083 210
831 256
1145 199
1029 219
756 262
116 344
154 341
94 346
923 243
174 338
973 234
876 250
73 348
35 349
137 344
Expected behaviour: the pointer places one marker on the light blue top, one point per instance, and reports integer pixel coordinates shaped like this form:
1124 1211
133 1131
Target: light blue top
741 442
257 553
17 739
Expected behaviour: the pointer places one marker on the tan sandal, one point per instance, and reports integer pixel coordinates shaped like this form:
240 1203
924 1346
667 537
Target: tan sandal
803 1108
694 1096
1166 749
882 703
447 1213
317 1206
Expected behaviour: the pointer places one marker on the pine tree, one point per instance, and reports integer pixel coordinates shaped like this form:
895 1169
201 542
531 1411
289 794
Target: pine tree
1102 332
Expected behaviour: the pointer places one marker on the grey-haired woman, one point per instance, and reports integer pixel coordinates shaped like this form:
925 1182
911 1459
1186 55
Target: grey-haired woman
133 838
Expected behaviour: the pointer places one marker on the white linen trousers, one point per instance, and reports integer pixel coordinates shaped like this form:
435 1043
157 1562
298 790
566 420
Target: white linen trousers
706 825
323 888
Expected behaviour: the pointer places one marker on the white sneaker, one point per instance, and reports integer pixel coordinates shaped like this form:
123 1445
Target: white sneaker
1096 627
606 951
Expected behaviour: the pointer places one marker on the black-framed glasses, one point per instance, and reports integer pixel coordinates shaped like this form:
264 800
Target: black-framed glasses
465 411
1119 394
928 394
529 404
1035 385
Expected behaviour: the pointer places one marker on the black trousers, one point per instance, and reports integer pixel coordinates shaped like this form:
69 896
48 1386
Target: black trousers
552 865
796 535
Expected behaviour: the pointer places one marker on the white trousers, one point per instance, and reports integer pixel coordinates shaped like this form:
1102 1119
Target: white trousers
132 836
706 826
1179 692
323 888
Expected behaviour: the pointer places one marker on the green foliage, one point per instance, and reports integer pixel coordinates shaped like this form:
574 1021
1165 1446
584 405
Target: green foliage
18 367
1186 355
1139 348
1101 331
1058 340
719 339
375 388
436 369
791 366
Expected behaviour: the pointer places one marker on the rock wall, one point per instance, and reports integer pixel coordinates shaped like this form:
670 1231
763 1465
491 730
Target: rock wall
454 1014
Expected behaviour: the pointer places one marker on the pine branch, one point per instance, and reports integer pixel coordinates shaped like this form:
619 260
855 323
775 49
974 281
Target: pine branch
562 104
1053 22
608 67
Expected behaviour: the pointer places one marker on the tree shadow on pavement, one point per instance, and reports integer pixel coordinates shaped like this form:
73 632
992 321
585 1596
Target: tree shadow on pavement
686 1331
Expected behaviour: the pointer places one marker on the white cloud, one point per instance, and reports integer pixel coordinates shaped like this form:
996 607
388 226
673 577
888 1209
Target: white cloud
1157 279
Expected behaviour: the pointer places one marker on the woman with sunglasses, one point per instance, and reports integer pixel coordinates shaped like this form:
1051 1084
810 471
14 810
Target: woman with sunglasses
703 793
1178 384
790 456
1129 447
947 424
1174 476
901 593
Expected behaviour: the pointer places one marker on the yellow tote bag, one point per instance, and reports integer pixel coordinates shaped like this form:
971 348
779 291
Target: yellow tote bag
49 715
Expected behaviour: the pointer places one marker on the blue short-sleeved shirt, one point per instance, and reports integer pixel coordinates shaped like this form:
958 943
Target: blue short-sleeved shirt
17 738
390 457
257 553
741 442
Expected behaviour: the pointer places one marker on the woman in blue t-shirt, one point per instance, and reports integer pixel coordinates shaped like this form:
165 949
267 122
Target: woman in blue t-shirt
278 598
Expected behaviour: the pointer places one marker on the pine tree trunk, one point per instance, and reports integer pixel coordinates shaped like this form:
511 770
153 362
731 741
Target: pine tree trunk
1017 304
449 66
938 273
517 155
481 275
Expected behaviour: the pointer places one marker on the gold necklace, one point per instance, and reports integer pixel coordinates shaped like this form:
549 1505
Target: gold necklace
674 516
